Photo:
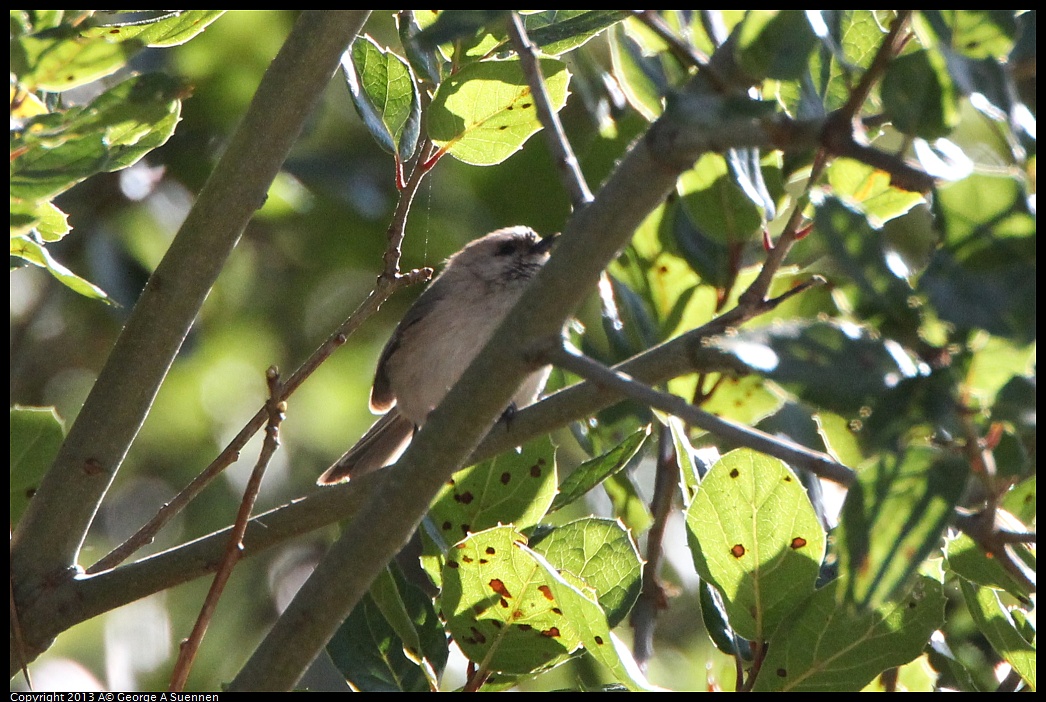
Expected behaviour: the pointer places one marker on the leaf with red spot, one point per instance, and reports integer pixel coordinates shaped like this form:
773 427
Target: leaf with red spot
485 112
755 537
501 607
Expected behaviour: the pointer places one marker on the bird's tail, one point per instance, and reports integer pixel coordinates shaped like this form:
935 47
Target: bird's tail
381 446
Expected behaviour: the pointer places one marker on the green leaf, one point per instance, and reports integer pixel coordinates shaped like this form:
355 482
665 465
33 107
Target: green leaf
689 471
485 112
837 366
590 624
603 554
641 77
385 96
869 191
62 58
754 535
627 503
716 204
36 435
47 221
774 44
28 250
894 516
513 488
997 625
709 256
978 34
984 276
58 150
919 96
558 31
499 605
967 559
461 25
591 473
850 44
826 647
375 656
167 29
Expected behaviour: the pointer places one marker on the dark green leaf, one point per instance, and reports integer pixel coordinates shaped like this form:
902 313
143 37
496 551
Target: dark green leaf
837 366
825 646
919 96
984 276
716 204
453 25
998 626
893 518
371 654
560 31
967 559
775 44
36 435
591 473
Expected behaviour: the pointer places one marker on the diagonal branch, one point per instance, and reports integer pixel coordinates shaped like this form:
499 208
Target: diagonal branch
46 543
818 463
562 154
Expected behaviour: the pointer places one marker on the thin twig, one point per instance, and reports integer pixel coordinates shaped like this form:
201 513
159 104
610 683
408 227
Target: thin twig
983 529
682 50
652 598
818 463
1012 537
566 163
389 282
889 48
275 411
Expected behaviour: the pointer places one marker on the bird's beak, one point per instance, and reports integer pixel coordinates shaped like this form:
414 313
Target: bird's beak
545 244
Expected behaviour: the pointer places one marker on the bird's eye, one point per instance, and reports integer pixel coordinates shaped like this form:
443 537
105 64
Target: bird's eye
506 249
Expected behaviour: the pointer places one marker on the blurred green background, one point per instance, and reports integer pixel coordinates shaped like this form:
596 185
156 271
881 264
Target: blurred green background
303 264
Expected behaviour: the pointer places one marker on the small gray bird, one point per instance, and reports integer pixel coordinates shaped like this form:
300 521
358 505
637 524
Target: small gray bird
437 339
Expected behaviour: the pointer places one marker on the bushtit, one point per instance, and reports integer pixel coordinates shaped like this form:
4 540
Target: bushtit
437 339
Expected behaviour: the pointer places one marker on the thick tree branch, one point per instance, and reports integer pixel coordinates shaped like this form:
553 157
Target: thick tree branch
591 239
47 540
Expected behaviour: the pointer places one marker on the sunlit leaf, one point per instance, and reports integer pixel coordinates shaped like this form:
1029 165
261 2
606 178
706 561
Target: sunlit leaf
170 28
29 250
603 554
500 607
754 535
998 626
485 112
114 131
514 488
383 91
